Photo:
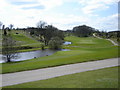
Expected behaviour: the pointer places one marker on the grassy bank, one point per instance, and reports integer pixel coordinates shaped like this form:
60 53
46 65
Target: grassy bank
24 41
102 78
115 40
81 50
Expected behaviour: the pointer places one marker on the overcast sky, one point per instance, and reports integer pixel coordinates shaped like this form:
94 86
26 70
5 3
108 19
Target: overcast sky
63 14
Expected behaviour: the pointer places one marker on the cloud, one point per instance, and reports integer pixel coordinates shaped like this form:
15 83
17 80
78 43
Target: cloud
26 4
89 7
92 8
36 4
35 7
66 22
92 2
49 4
21 2
108 23
28 14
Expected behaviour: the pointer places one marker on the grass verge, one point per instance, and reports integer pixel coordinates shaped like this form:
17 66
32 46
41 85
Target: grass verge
102 78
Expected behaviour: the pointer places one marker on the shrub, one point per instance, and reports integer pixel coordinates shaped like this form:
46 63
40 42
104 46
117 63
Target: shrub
55 43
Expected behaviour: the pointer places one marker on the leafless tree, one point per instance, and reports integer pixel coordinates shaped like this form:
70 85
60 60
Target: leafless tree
41 24
3 27
8 48
11 26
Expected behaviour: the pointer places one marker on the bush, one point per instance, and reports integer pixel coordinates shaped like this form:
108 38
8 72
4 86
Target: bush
55 43
42 46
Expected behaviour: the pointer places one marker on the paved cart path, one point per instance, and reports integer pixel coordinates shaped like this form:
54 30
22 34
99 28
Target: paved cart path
46 73
114 43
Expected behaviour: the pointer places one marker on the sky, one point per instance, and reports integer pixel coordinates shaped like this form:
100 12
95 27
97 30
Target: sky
63 14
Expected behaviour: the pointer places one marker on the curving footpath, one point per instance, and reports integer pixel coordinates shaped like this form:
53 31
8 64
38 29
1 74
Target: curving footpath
115 44
46 73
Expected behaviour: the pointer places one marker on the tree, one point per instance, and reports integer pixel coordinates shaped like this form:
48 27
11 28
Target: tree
5 32
46 33
41 24
42 46
8 48
50 32
55 43
83 31
1 25
31 32
11 26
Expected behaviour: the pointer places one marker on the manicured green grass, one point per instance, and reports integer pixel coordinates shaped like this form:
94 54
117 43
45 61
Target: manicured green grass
102 78
88 42
81 51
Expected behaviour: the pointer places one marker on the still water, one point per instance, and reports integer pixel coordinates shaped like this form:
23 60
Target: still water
67 43
33 54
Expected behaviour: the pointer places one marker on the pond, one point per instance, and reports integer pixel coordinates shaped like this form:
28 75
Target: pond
32 54
67 43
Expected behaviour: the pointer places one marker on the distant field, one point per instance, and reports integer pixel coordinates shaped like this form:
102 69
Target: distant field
102 78
81 50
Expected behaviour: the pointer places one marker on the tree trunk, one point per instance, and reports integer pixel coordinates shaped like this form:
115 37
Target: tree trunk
46 43
8 59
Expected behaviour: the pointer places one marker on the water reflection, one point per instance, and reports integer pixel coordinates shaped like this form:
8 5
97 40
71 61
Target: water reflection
32 54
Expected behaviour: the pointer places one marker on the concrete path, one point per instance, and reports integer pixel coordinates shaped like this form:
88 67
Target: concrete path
46 73
112 42
97 36
115 44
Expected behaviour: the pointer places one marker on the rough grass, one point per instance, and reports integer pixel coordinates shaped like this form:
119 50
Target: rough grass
102 78
23 39
81 51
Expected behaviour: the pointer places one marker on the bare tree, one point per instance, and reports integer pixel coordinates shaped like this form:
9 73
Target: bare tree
41 24
11 26
8 48
1 25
